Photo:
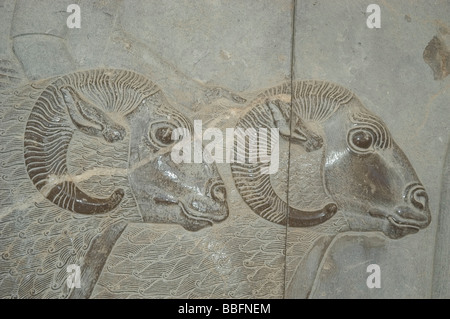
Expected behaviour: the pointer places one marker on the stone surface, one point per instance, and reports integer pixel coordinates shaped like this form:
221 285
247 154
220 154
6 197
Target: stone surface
87 178
385 69
441 270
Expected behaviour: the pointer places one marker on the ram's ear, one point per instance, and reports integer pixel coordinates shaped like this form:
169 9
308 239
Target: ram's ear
81 123
296 131
88 118
312 140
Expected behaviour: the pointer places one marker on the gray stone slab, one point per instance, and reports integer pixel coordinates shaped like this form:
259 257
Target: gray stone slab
441 270
386 70
88 178
206 61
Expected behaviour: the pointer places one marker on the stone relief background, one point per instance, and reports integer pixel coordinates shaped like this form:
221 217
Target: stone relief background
386 69
188 48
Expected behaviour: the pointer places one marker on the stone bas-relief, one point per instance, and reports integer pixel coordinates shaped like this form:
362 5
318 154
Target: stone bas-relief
364 173
121 106
114 105
386 70
98 195
85 102
79 99
361 172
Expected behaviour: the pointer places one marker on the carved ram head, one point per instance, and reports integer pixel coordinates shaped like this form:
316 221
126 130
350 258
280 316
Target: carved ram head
360 169
109 104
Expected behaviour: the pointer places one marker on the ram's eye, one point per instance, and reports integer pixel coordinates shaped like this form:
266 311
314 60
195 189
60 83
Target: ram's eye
360 140
164 135
160 134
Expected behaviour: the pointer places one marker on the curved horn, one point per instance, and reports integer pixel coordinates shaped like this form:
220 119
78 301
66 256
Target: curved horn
314 101
47 137
52 122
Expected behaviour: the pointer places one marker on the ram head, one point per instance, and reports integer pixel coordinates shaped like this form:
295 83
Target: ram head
108 104
333 141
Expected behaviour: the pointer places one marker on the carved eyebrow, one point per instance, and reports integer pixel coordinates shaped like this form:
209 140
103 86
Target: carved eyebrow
176 117
373 124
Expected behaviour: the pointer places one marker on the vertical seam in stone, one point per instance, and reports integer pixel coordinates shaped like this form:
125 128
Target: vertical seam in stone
294 9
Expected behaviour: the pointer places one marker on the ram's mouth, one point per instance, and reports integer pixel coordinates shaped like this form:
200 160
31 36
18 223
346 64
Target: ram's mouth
399 226
194 215
206 215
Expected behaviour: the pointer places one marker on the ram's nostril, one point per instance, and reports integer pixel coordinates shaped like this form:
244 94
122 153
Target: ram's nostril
218 192
419 199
